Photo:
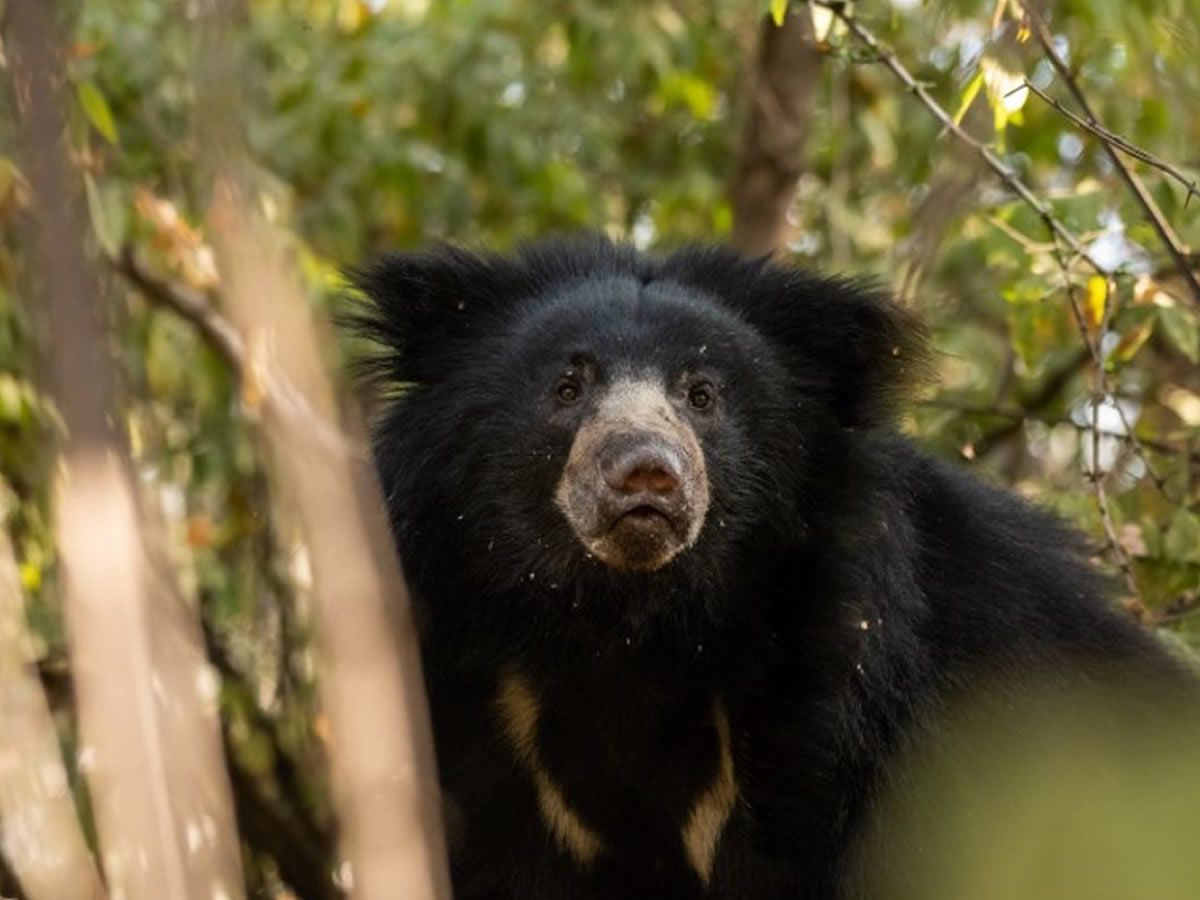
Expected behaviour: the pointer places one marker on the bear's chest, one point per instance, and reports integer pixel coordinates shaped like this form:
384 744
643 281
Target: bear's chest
604 789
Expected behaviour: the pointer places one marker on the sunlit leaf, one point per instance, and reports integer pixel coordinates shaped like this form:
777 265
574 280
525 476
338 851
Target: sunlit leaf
110 219
1133 340
822 19
1097 299
98 112
968 96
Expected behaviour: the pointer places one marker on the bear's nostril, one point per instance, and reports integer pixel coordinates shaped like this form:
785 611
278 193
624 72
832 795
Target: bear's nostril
648 478
638 464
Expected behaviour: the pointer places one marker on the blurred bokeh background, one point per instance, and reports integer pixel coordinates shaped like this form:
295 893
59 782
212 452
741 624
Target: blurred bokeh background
1066 321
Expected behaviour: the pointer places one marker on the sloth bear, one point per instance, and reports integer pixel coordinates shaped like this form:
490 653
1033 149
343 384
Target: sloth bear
685 592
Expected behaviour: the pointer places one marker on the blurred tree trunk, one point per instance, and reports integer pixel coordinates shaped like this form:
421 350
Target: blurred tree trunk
779 93
36 807
146 698
384 773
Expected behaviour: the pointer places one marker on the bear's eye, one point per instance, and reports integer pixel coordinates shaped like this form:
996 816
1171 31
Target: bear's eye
701 396
568 390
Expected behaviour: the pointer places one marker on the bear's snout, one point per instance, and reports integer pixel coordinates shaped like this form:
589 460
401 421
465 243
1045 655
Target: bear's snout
634 488
640 487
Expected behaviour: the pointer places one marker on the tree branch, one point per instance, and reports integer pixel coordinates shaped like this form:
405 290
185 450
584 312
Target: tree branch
383 768
1111 137
263 390
1022 415
189 304
1002 170
1163 228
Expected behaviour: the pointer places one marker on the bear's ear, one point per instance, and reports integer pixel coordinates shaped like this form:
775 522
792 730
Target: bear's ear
421 308
843 338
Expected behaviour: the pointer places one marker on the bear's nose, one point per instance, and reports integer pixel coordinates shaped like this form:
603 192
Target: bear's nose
641 465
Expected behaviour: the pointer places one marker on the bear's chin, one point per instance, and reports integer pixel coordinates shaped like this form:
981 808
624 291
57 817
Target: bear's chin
639 541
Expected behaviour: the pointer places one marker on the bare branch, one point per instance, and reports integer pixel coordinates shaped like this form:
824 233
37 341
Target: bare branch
264 390
1063 238
1166 234
1116 140
383 769
1019 416
189 304
990 159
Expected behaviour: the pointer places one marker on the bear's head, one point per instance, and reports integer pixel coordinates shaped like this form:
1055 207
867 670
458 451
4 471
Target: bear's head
580 411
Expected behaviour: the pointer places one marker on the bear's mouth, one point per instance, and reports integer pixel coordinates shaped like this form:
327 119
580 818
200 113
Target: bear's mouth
645 518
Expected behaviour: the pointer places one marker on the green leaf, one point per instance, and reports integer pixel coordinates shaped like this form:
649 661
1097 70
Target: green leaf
1182 540
779 11
98 111
1182 330
109 215
968 96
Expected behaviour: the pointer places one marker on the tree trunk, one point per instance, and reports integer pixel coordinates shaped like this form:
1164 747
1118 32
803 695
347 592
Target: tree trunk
779 92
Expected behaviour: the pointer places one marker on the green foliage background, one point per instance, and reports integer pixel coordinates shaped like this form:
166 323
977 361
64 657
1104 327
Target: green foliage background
489 121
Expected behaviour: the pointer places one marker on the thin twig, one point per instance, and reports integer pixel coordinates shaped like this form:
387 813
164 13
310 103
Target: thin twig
1097 475
1063 237
1139 445
1139 448
1026 243
989 157
1116 140
1163 228
1182 607
1030 415
263 388
189 304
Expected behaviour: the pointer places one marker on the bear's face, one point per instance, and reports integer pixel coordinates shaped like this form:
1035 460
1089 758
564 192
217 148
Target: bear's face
582 419
652 397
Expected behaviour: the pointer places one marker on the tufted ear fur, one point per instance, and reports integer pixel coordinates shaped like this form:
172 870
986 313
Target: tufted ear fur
421 307
842 338
425 308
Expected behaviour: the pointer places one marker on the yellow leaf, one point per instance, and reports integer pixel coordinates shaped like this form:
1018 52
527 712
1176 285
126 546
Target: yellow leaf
1097 299
31 576
968 96
779 11
1131 342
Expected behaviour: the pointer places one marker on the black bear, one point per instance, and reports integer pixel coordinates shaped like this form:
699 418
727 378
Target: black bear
685 592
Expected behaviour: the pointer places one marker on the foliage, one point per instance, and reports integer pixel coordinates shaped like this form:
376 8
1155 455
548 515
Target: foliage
486 121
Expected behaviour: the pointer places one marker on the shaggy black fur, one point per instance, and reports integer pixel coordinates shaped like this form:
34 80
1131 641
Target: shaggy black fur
845 587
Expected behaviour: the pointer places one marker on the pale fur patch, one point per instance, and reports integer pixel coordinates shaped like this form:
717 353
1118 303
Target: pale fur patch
519 711
702 831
